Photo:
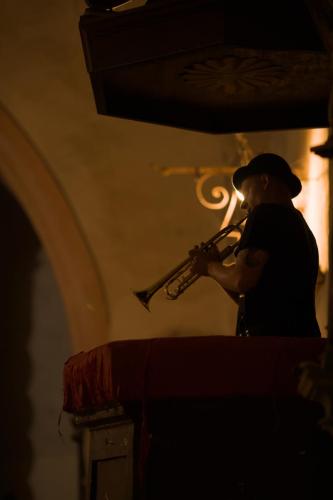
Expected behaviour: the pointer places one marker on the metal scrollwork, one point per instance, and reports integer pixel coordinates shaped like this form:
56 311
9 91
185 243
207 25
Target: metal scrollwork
216 196
220 193
223 197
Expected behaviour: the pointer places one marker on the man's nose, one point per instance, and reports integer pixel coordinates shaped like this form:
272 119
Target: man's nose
244 205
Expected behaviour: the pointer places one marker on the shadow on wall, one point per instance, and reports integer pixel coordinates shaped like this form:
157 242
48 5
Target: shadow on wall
19 251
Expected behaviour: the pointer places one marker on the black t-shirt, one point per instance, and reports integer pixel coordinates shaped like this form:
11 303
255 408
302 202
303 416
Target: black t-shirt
283 301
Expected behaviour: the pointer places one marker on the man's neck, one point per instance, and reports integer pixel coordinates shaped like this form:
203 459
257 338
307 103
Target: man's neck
277 199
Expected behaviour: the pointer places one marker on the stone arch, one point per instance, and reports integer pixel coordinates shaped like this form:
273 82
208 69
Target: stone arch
30 180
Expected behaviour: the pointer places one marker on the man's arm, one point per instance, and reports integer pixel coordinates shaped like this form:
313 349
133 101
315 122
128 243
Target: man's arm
241 276
233 295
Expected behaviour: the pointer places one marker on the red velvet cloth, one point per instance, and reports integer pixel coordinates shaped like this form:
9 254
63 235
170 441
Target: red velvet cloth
188 367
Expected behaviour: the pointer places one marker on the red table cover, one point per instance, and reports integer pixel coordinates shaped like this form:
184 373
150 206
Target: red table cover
187 367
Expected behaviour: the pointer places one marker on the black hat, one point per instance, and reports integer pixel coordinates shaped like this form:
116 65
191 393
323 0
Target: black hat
272 164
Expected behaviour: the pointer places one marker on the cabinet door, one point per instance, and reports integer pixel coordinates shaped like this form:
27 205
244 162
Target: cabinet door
111 458
114 479
113 441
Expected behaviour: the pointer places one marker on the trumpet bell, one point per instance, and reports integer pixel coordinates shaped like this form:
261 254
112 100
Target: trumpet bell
144 297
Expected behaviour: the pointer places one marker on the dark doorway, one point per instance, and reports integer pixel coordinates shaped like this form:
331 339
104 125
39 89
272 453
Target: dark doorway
19 250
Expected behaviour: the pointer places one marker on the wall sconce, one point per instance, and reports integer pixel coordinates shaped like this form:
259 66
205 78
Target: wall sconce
312 201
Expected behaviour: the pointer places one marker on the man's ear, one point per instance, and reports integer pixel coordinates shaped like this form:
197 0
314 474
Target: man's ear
264 178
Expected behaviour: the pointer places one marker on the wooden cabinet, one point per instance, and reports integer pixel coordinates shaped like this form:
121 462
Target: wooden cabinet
108 455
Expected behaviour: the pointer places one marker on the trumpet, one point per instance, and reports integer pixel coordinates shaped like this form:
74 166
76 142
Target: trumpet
182 277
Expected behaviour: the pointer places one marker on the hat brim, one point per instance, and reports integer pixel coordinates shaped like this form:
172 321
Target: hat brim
290 179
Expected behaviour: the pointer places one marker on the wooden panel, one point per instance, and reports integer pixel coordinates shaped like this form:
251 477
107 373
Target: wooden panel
214 66
108 457
113 441
114 479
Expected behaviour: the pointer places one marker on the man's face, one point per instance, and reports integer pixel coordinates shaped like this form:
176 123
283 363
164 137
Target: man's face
252 189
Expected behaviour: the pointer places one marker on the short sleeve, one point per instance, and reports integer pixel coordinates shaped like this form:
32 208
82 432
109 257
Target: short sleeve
262 228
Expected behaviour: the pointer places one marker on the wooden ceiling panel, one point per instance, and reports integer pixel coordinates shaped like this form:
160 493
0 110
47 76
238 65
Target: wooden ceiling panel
210 66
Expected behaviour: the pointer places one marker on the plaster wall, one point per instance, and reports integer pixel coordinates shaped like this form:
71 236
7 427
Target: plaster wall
137 224
54 470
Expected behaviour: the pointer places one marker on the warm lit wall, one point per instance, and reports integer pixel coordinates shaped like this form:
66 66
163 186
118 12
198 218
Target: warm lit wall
109 221
136 223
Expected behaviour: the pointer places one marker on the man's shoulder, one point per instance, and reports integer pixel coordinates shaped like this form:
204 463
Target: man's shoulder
273 211
275 208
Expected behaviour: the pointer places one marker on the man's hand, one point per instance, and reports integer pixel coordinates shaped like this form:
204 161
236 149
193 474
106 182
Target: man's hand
202 258
239 277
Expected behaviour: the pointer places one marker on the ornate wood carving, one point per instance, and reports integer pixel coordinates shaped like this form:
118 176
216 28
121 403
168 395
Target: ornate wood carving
242 72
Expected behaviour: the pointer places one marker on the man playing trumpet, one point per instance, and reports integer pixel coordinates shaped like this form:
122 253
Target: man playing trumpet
274 276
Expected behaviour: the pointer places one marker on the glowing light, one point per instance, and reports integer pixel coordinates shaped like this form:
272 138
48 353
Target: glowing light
240 195
129 5
313 200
